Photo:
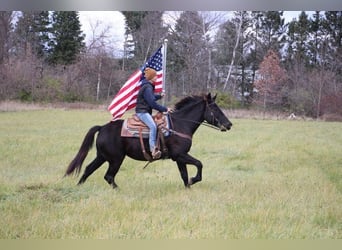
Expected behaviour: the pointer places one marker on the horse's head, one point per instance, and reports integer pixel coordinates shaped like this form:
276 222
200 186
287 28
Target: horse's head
214 115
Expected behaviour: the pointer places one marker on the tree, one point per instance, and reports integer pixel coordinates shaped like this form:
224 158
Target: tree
133 20
32 33
211 21
186 55
99 56
151 34
314 63
316 42
298 37
332 26
271 79
5 29
269 32
42 29
272 30
67 38
238 35
241 85
145 32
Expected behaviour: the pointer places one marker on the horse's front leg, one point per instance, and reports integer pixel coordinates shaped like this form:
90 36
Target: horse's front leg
183 172
188 159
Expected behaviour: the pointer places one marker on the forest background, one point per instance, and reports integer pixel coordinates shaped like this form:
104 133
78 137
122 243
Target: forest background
254 59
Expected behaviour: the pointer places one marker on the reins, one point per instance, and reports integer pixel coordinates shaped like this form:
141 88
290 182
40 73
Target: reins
204 123
209 125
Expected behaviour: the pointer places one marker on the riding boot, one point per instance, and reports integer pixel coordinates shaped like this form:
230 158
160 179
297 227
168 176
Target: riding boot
156 154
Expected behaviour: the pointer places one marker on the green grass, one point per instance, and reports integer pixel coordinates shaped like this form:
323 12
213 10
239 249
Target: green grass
261 180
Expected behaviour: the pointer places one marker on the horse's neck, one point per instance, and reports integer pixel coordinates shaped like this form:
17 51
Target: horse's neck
188 120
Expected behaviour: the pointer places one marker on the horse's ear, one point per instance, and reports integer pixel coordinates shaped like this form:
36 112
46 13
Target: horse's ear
214 98
208 97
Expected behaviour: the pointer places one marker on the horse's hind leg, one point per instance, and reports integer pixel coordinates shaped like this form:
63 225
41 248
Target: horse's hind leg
95 164
112 171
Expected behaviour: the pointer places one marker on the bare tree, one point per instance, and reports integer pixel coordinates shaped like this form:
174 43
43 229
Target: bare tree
100 48
210 23
238 34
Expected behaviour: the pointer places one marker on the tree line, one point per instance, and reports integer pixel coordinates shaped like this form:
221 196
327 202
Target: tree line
253 58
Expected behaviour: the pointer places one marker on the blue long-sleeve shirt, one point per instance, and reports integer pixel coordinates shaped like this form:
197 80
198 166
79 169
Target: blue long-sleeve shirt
146 100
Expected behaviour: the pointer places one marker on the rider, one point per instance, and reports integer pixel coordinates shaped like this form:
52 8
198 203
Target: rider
146 101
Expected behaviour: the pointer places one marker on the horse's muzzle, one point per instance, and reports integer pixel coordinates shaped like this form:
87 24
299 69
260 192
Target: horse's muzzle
224 128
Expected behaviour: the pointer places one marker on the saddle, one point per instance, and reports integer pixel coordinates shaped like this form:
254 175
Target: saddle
134 127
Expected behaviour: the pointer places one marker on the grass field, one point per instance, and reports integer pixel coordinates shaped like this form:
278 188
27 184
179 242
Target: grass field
262 180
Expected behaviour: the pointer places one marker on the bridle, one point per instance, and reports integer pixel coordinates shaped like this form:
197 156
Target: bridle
212 116
204 123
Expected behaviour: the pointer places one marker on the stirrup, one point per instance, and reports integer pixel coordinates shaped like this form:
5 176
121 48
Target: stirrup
156 154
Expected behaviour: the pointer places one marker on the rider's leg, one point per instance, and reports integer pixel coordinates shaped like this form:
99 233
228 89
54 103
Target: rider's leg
148 120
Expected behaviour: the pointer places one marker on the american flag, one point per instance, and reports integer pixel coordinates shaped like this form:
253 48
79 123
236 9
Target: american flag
126 98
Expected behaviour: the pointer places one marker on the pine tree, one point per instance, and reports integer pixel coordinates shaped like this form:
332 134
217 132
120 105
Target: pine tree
67 39
186 52
272 30
315 44
298 38
134 20
42 28
144 34
245 83
32 33
332 26
235 52
225 40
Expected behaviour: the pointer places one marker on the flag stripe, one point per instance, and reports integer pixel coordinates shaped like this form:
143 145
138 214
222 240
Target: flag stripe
126 98
127 87
122 99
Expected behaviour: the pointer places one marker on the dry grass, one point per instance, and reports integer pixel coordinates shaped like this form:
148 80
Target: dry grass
261 115
12 106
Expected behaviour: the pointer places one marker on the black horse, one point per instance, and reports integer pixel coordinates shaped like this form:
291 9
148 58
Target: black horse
188 115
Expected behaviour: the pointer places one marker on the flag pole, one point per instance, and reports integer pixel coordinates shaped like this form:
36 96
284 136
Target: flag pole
164 67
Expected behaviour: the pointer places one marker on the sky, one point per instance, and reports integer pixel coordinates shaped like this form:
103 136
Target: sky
100 21
114 22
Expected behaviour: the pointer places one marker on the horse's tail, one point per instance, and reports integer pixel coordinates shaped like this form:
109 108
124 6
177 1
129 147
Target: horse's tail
76 163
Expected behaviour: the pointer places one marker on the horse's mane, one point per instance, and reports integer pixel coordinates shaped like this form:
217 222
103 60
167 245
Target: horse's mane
186 101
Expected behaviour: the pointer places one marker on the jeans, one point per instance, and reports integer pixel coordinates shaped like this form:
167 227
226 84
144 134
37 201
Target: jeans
148 120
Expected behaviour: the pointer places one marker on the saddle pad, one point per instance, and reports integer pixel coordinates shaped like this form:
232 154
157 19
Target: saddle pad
132 126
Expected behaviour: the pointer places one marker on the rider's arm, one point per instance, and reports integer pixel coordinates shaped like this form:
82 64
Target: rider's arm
151 100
